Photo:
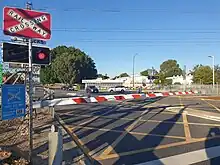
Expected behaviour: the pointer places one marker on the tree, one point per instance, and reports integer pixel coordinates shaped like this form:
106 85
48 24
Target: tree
144 73
48 76
123 75
170 68
69 65
104 77
217 74
148 72
162 79
202 74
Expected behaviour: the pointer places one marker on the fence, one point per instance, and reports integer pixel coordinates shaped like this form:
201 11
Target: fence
202 89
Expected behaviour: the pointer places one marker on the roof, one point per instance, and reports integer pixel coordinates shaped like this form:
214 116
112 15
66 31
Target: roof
102 81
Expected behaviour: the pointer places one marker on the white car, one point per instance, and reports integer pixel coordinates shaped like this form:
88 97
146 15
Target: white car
120 89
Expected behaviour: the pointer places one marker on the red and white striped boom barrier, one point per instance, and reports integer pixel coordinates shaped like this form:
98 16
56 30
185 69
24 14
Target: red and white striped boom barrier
99 99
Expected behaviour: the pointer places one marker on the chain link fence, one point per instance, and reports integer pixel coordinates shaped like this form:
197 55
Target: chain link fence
201 89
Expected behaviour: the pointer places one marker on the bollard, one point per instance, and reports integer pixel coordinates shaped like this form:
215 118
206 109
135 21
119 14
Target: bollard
52 112
55 146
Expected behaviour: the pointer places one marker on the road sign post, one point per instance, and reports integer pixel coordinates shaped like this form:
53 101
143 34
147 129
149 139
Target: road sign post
30 99
1 73
31 25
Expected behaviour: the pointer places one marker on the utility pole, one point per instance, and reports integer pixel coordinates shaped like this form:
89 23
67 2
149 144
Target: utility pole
213 70
184 78
133 67
29 6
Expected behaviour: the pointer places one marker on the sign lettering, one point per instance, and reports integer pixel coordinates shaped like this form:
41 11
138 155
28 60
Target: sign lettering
26 23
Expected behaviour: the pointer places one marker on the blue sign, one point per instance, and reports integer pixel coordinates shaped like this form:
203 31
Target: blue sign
13 101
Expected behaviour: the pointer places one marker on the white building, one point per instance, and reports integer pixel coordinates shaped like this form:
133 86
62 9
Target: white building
180 80
138 81
102 83
125 81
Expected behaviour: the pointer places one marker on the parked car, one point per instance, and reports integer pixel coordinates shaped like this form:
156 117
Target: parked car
69 88
93 89
120 89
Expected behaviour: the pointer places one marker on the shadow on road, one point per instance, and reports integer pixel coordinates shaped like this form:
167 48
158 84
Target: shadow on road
130 142
212 142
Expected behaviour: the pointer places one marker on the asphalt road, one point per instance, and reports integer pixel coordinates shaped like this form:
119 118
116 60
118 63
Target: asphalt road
147 131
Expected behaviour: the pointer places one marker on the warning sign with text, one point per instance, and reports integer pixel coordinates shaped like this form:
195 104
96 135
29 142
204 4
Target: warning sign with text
26 23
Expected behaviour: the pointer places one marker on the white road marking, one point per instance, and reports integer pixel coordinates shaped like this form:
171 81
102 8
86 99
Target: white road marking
187 158
208 117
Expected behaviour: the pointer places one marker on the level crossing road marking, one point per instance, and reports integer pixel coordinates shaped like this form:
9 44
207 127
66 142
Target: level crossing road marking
186 127
131 132
128 129
79 142
143 120
181 103
129 119
211 105
211 100
187 158
96 117
171 108
116 155
185 123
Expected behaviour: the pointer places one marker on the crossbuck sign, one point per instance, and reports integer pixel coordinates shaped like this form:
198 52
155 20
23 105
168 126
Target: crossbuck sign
27 23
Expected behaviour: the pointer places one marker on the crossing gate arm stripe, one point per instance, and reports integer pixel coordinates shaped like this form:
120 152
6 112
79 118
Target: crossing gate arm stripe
100 99
129 97
79 100
119 97
152 95
176 93
159 94
93 100
110 97
165 93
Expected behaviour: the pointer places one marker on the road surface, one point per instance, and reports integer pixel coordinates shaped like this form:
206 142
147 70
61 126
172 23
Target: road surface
170 130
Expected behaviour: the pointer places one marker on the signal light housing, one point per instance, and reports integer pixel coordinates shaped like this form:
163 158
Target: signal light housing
18 53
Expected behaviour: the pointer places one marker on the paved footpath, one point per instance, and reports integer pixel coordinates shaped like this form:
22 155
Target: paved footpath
172 130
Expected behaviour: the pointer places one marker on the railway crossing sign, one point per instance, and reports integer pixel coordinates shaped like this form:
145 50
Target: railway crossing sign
26 23
31 25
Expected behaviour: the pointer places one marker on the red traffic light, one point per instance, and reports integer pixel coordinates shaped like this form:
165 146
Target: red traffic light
41 56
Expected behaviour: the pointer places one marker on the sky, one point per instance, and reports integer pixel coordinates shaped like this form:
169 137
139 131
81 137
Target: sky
113 31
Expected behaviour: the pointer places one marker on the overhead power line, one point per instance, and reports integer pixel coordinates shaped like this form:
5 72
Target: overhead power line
133 30
119 10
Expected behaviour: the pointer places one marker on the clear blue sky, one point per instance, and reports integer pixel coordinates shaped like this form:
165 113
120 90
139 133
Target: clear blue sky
112 31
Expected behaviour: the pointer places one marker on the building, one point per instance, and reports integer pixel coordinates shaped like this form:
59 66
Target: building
180 80
142 81
125 81
102 83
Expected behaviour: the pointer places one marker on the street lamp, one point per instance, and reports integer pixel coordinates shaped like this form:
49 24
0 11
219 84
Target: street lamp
133 67
213 70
